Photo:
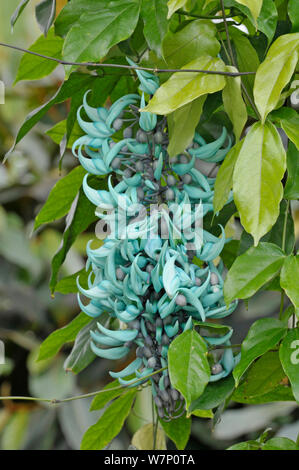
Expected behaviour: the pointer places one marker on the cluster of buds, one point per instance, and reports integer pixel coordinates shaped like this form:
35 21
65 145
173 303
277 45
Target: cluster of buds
154 273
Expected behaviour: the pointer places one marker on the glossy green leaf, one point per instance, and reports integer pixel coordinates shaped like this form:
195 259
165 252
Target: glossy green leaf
257 179
291 190
58 338
45 13
18 11
252 270
233 103
289 356
288 119
32 67
280 443
279 393
81 354
154 15
196 39
178 430
59 130
108 393
174 5
61 197
81 215
68 284
253 5
294 15
182 124
189 369
182 88
94 34
262 336
264 375
214 394
224 178
246 445
109 424
289 278
275 72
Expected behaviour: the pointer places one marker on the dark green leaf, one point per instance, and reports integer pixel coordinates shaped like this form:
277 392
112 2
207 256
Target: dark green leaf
110 423
81 355
230 253
18 11
262 336
178 430
291 190
294 15
61 197
289 356
45 13
58 338
154 15
68 285
252 270
189 369
280 393
264 375
214 394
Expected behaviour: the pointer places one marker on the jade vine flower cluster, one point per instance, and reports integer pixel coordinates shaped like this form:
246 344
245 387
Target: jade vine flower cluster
154 274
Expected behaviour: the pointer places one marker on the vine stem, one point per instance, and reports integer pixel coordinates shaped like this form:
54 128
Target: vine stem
127 67
283 246
54 401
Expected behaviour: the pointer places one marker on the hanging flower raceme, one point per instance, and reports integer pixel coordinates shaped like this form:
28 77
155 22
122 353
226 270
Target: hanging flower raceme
144 275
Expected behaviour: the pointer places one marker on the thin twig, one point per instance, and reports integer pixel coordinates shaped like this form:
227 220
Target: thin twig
55 401
122 66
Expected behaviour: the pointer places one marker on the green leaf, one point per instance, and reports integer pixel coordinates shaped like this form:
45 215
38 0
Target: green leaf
182 88
280 393
291 190
264 375
233 103
289 278
144 439
257 179
178 430
107 394
230 252
81 355
109 424
214 394
58 338
182 124
280 443
45 13
61 197
246 445
80 217
294 15
32 67
174 5
288 119
69 88
289 356
247 57
275 72
18 11
59 130
154 15
189 369
262 336
252 270
224 178
196 39
91 38
68 284
253 5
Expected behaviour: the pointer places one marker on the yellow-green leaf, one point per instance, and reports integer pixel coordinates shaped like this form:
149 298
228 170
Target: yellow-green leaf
254 6
275 72
289 278
257 179
143 439
183 124
174 5
182 87
233 102
224 179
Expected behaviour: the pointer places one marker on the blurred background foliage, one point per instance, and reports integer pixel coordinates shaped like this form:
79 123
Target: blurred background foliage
28 313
